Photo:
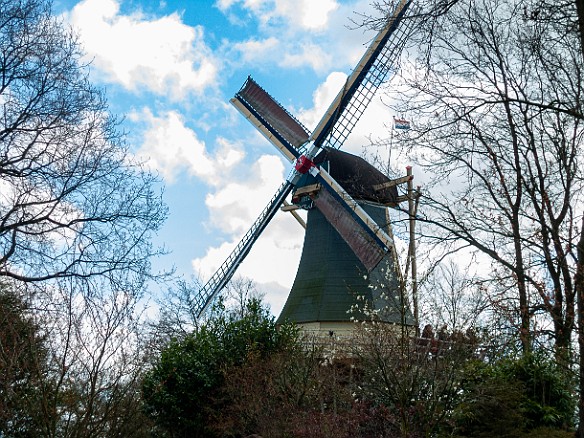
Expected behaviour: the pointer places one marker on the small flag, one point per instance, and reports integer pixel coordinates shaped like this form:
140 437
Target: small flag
401 124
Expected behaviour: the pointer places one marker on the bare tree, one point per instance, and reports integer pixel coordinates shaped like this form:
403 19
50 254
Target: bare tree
94 364
73 203
77 214
454 297
178 315
72 368
239 292
579 280
495 96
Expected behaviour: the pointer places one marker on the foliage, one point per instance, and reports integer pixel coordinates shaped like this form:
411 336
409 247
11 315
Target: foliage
264 394
547 398
238 376
489 404
182 391
360 420
22 364
302 393
513 396
417 379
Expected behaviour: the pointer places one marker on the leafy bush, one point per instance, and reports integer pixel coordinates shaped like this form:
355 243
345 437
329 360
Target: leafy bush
182 391
22 366
514 397
547 399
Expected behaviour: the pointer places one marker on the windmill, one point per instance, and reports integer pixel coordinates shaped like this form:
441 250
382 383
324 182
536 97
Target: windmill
346 198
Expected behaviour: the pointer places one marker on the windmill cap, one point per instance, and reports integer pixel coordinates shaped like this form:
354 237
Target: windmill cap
357 176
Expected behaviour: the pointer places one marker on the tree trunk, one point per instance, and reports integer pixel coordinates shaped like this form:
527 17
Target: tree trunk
580 12
579 285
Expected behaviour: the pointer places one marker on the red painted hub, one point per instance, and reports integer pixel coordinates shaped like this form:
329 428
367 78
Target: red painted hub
303 164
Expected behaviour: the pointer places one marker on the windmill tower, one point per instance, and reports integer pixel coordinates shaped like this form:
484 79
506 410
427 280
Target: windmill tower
348 249
331 279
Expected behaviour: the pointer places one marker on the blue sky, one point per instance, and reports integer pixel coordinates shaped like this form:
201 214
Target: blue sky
169 68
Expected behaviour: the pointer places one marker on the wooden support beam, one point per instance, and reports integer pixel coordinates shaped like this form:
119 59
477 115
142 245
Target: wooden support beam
292 209
307 190
412 211
393 182
286 206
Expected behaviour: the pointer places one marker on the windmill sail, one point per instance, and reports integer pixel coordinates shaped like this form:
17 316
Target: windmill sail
225 272
361 85
369 242
363 245
353 179
271 118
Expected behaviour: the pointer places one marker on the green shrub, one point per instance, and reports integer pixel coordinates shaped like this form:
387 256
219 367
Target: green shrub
522 396
182 391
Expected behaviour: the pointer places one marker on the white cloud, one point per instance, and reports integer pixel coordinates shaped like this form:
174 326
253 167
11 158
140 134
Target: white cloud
282 53
162 54
236 204
273 261
256 50
296 34
305 14
322 98
308 54
274 257
225 4
309 14
171 147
